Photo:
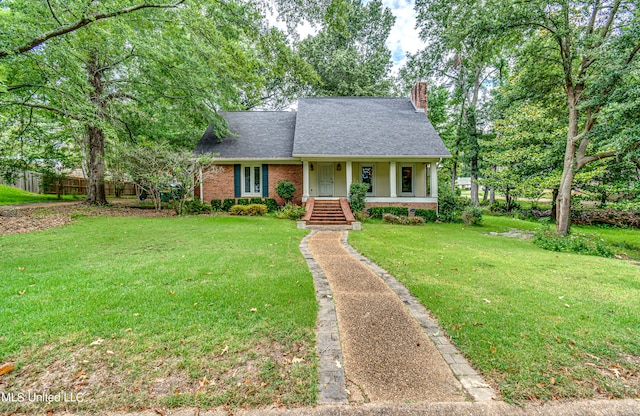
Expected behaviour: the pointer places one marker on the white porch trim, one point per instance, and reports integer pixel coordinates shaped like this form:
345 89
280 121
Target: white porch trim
305 180
392 180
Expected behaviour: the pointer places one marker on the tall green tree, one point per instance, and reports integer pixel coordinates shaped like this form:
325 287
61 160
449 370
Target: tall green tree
589 51
349 54
467 65
159 77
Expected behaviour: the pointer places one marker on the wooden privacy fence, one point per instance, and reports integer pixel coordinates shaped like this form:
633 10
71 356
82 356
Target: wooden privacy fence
78 186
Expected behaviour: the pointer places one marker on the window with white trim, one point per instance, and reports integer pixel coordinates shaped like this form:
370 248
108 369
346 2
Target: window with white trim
407 184
367 177
251 180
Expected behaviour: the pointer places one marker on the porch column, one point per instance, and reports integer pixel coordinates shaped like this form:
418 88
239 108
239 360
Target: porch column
433 171
305 180
349 176
392 179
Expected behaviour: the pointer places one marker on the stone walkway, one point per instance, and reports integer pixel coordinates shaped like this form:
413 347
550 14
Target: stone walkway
387 354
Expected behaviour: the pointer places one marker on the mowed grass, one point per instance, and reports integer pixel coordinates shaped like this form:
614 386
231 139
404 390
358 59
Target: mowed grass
11 196
140 312
539 325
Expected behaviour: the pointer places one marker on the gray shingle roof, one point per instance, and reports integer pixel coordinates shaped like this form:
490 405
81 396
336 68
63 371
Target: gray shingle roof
334 126
258 135
357 126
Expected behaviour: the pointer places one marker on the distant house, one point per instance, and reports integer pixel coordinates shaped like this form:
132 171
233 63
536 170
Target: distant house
327 144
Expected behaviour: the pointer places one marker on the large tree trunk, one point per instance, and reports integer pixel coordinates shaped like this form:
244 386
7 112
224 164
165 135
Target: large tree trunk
94 148
563 202
96 194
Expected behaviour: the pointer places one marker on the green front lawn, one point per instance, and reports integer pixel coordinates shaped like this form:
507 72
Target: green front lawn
11 196
540 325
140 312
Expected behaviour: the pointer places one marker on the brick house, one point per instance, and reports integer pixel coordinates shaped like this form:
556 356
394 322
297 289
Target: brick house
327 144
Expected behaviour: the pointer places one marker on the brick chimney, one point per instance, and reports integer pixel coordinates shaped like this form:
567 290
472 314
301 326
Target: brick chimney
419 96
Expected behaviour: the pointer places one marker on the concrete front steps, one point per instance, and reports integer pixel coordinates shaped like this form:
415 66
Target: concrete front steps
328 212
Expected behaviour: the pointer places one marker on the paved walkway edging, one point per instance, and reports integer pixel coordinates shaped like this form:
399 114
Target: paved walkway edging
332 386
471 381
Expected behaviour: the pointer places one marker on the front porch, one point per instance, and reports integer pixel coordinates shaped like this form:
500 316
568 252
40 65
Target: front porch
411 182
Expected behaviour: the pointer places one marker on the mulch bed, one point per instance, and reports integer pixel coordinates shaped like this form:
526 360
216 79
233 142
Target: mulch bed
19 220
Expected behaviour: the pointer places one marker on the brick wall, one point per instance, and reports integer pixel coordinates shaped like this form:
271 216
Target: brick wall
220 185
292 173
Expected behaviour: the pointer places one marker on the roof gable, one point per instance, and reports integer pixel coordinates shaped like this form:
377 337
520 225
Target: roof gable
358 126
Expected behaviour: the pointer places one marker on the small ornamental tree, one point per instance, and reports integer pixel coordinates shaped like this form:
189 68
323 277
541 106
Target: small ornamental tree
285 190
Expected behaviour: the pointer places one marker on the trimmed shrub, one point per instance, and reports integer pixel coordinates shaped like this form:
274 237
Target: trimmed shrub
238 210
271 204
255 200
195 207
252 209
429 215
472 215
285 189
291 211
256 209
378 212
227 204
216 205
243 201
358 196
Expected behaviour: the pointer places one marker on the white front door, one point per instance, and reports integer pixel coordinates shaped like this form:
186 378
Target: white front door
325 179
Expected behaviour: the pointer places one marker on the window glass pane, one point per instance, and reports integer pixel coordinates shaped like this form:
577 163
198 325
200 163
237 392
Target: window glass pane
407 179
256 170
367 177
247 179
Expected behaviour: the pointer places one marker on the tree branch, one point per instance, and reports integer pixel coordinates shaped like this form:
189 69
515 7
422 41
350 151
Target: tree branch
84 21
594 15
612 16
581 161
53 13
42 107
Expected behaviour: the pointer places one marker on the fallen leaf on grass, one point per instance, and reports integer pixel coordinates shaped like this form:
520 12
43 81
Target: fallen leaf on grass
552 381
22 292
486 300
254 310
161 412
477 324
7 368
171 292
297 360
97 342
225 350
566 305
21 268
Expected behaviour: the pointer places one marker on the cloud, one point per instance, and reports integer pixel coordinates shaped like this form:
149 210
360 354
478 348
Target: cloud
404 36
